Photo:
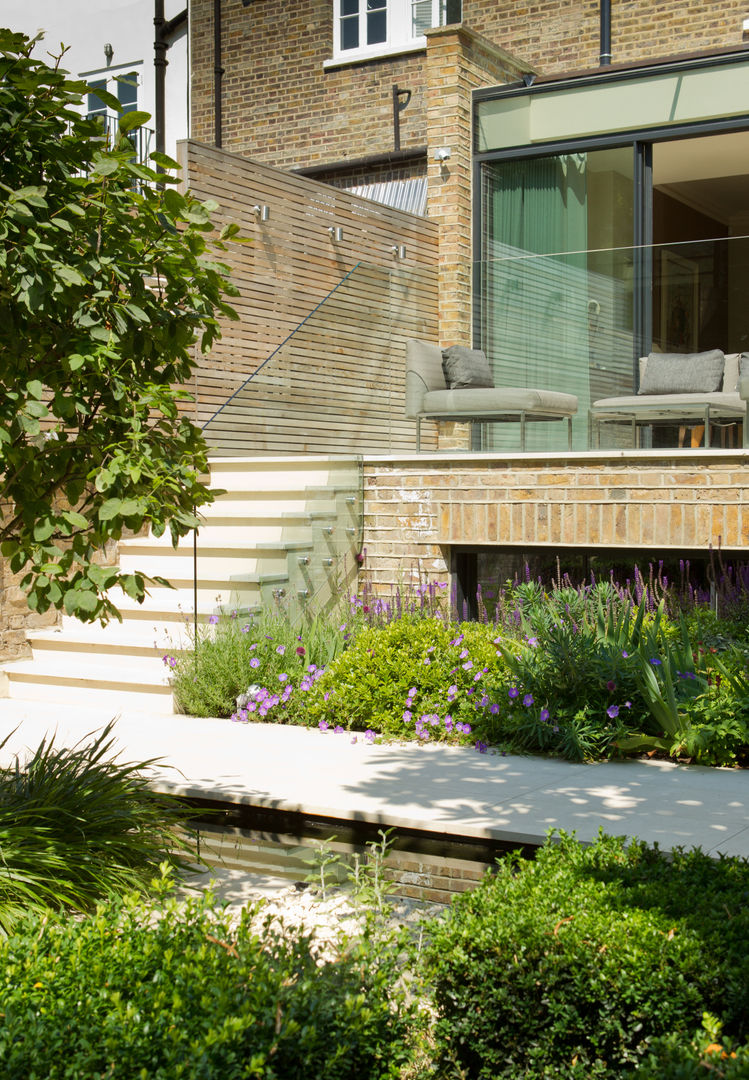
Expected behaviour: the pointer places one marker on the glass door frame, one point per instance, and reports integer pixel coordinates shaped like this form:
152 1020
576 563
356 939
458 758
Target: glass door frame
642 142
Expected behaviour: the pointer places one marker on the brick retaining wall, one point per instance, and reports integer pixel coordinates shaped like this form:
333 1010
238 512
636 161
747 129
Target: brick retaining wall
417 508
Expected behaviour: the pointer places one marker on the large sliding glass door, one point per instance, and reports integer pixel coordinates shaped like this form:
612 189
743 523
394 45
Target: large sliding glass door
556 275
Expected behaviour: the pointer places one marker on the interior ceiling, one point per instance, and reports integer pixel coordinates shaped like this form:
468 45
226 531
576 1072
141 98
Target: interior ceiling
710 174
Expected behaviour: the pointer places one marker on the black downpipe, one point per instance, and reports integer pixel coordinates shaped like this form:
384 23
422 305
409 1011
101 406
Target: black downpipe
605 57
160 63
218 72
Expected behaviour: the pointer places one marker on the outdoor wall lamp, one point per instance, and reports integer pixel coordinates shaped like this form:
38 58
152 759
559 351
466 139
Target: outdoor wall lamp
336 233
108 53
443 153
262 212
399 250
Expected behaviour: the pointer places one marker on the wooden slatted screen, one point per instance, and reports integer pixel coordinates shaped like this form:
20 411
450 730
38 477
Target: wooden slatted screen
337 385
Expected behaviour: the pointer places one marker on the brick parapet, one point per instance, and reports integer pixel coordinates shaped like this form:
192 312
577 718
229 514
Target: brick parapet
416 510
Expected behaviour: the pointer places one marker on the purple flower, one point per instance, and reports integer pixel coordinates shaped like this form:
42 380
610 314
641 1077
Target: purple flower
655 661
468 665
481 746
283 677
254 662
213 620
170 661
338 730
612 712
528 700
543 716
370 735
323 725
464 654
477 676
625 654
246 629
494 709
408 716
280 649
533 642
513 692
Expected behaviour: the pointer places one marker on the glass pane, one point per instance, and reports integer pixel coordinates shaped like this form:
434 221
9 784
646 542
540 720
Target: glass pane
563 322
376 26
96 106
450 12
350 33
421 17
127 91
349 7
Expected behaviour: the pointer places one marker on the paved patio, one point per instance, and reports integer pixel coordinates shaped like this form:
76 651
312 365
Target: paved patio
441 790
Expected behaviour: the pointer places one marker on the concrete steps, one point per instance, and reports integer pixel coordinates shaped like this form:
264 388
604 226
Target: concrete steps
286 528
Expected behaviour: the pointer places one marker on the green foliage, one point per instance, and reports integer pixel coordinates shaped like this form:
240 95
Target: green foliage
179 993
77 824
369 685
676 1057
241 650
571 965
107 281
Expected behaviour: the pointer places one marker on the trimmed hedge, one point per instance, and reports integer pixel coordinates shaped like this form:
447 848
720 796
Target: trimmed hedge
571 965
178 994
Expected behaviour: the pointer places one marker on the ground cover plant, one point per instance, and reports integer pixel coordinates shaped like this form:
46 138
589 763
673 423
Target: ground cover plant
77 824
583 672
179 990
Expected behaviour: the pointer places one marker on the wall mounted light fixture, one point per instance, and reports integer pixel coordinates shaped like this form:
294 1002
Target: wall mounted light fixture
399 250
443 153
108 53
262 212
336 233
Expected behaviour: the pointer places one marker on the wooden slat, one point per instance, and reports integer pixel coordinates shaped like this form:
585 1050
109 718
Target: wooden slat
339 382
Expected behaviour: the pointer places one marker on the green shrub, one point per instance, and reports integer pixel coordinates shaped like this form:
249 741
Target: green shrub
569 966
76 824
240 650
177 993
393 675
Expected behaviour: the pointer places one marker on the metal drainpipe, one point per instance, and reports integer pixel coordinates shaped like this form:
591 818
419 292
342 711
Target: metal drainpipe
605 57
218 72
159 63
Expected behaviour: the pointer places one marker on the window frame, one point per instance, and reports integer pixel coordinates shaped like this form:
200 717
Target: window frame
399 38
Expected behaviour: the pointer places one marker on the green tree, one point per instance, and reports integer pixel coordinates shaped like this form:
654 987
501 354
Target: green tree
109 289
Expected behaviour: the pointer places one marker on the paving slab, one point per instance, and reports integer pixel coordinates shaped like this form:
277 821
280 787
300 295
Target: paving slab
443 790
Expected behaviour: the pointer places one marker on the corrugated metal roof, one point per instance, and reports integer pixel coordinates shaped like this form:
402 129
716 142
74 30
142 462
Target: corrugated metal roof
410 195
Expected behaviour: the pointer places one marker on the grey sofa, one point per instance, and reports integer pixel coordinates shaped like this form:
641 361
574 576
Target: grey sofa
430 396
707 388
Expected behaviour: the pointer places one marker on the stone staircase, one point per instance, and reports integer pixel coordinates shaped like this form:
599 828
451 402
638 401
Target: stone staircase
287 531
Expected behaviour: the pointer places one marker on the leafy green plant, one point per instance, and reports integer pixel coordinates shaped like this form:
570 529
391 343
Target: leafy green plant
570 965
707 1053
178 990
77 824
367 879
667 680
320 861
110 286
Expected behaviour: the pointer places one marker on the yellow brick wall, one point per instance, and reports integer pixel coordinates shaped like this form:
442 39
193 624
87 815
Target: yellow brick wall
416 510
280 106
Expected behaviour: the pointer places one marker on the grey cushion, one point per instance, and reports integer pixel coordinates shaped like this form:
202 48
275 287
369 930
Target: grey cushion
683 373
465 368
502 401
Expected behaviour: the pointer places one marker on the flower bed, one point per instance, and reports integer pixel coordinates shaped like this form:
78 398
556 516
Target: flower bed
582 672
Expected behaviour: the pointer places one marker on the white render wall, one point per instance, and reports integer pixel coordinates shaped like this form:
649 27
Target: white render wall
86 26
